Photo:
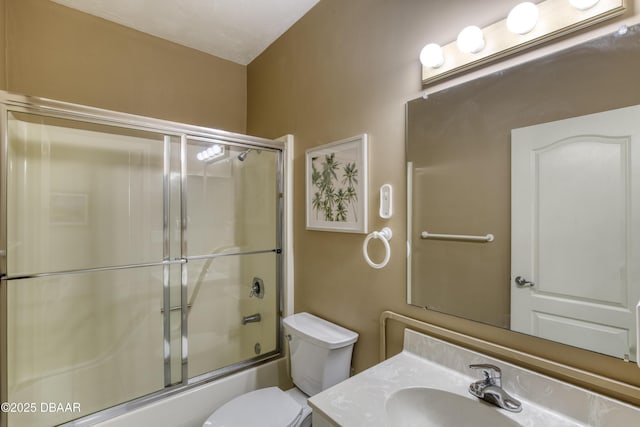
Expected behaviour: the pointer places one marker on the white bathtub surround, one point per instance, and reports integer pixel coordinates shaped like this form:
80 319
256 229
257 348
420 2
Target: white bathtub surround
429 362
192 407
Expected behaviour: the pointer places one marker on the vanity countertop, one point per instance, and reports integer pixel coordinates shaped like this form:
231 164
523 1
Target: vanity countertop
428 362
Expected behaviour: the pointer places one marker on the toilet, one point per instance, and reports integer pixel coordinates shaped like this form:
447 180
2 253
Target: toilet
320 354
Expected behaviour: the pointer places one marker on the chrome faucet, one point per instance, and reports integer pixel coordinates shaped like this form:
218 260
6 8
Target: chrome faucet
251 319
490 388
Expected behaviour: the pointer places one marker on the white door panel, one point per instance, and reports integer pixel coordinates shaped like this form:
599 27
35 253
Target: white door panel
591 336
576 230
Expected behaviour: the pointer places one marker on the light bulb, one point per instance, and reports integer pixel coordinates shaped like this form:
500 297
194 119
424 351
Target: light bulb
583 4
470 40
522 18
431 56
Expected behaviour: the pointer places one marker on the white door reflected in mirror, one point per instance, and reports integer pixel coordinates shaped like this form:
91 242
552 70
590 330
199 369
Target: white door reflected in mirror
575 219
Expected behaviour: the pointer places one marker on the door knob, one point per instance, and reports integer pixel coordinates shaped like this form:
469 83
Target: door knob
524 283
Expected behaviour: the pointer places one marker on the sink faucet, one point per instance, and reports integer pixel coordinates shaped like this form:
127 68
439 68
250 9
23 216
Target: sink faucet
490 388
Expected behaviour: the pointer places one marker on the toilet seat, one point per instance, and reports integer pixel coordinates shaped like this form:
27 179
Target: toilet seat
266 407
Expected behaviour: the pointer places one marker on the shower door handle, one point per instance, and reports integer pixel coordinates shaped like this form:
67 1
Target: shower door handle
175 308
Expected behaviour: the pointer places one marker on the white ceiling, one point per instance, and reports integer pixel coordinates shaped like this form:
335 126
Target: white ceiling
237 30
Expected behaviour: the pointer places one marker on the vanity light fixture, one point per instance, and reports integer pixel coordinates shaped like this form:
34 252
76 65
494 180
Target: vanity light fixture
583 4
470 40
523 18
527 25
431 56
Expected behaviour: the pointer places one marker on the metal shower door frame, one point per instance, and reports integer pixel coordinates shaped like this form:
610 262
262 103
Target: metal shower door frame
27 104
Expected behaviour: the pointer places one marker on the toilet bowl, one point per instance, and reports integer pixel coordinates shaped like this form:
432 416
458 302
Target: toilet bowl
320 354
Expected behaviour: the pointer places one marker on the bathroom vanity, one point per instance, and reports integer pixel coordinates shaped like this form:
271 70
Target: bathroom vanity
428 382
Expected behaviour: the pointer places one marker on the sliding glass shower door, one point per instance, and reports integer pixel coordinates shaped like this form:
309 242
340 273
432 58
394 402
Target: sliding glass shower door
231 244
135 261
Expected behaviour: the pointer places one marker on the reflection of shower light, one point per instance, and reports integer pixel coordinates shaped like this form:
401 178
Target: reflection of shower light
211 153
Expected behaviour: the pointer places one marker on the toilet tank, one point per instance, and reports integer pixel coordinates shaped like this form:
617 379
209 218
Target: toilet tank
320 352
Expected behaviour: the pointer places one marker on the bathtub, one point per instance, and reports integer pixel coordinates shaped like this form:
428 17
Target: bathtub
192 407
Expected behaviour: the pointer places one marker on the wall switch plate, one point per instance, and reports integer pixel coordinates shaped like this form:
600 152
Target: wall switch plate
386 201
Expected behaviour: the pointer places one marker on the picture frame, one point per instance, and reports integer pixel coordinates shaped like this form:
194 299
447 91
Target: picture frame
337 186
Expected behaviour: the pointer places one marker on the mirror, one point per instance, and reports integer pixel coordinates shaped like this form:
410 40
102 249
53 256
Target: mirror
463 186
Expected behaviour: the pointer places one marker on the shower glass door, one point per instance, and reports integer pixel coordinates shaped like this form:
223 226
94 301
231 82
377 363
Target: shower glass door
231 247
136 261
85 248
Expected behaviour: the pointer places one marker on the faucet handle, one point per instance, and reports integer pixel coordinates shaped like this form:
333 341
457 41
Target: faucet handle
492 374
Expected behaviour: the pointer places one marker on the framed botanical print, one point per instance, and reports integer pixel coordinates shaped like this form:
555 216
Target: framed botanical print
336 186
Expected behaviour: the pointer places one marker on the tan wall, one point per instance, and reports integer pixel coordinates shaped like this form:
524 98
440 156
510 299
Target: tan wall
3 80
60 53
348 68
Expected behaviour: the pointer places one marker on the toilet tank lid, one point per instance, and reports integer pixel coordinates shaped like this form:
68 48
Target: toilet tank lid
319 331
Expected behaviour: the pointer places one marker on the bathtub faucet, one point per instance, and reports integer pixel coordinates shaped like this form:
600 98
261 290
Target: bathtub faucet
251 319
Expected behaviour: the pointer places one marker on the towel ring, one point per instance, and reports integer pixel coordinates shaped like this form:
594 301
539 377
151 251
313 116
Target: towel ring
385 235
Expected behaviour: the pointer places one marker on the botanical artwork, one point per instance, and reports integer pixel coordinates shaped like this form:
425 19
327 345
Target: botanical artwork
336 179
334 188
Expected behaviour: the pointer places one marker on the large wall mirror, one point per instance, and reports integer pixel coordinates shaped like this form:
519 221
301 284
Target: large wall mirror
524 197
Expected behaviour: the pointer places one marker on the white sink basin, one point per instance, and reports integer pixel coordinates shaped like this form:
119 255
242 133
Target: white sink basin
430 407
427 385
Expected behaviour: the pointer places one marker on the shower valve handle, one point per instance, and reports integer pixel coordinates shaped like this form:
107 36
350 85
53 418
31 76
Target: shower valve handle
257 288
